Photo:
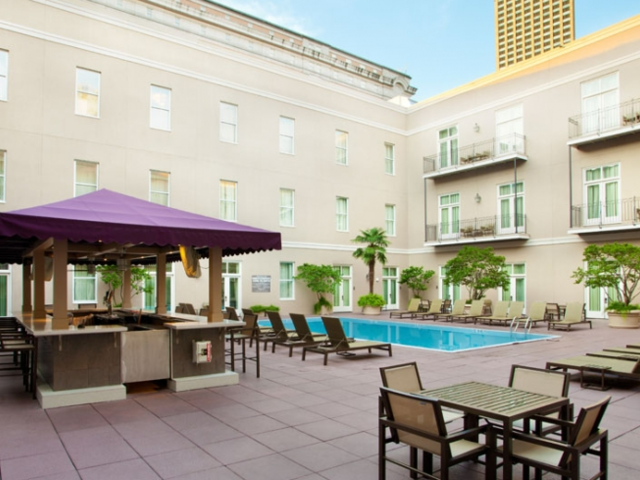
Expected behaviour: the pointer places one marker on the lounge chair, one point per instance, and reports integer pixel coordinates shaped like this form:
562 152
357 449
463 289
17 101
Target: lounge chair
573 315
277 333
637 345
614 354
598 365
515 311
434 310
339 343
458 309
537 313
476 309
412 309
301 337
500 313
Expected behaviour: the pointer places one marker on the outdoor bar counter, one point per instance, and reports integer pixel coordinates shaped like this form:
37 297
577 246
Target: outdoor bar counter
85 364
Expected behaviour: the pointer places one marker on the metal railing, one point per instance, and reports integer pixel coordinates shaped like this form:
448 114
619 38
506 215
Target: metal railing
606 119
469 154
495 226
598 214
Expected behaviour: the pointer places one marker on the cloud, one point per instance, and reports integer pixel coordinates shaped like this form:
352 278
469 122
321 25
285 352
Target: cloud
278 14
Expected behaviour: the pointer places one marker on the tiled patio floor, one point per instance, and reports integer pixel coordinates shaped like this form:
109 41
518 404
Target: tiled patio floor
300 420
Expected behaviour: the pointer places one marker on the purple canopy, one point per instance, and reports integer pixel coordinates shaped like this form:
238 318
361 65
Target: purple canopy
108 217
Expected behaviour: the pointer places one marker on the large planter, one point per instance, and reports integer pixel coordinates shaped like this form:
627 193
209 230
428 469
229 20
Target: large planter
371 310
624 320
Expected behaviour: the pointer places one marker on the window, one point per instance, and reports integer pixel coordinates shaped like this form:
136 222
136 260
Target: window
286 207
600 103
150 296
228 123
515 292
159 187
449 215
4 74
86 180
390 219
5 289
509 130
342 139
231 284
389 158
87 93
228 200
448 147
390 287
448 291
602 192
286 281
3 180
511 207
342 214
160 108
84 286
287 128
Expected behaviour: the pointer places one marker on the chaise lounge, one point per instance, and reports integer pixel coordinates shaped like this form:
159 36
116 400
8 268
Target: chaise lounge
573 315
599 366
411 311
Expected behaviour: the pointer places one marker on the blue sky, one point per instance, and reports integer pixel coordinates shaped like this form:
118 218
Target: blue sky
441 44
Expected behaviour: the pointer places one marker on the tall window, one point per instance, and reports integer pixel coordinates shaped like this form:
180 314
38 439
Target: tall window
3 176
509 130
342 141
516 290
228 123
84 286
511 207
228 200
448 291
390 220
87 93
389 158
449 215
287 129
159 183
602 191
86 180
342 214
160 115
4 74
287 198
448 147
286 281
150 296
600 103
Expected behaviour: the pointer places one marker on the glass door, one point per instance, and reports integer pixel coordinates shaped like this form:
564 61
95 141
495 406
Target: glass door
516 290
450 216
448 292
5 289
149 298
231 285
390 287
342 292
602 190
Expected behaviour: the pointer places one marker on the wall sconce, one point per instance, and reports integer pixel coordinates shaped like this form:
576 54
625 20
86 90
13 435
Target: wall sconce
478 198
476 128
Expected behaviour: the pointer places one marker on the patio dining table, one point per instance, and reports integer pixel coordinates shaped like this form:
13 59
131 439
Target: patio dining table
504 404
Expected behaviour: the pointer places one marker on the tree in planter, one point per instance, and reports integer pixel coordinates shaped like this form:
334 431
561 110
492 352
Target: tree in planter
113 278
375 251
320 279
478 269
416 278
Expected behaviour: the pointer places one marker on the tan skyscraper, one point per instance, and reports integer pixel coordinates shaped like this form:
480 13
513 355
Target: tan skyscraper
526 28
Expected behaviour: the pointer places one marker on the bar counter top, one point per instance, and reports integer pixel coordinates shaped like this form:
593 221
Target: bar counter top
42 327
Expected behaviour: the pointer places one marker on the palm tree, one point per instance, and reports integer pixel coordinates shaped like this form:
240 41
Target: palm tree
376 250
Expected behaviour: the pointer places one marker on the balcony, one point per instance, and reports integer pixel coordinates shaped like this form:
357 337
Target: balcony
497 150
601 217
616 121
477 230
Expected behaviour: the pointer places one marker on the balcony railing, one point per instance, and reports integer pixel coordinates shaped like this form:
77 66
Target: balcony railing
606 120
477 229
623 212
468 156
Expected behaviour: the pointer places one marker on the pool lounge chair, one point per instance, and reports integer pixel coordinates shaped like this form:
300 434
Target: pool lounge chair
458 309
302 337
515 311
499 313
411 311
277 333
614 354
339 343
434 310
538 313
600 366
476 309
573 315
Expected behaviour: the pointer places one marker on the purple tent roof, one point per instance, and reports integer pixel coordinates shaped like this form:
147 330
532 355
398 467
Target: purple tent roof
105 216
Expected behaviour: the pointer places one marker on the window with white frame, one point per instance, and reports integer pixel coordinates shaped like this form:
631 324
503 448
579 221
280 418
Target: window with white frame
509 130
287 198
389 158
159 187
87 93
511 207
4 75
286 281
449 215
287 130
160 113
3 175
342 145
86 177
342 214
84 285
5 289
228 123
228 200
516 290
602 194
390 219
448 147
600 103
448 291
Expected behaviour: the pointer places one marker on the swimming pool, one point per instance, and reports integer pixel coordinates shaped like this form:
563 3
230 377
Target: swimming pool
445 338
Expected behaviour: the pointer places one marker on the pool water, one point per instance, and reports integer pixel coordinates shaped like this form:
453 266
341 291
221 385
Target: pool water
430 336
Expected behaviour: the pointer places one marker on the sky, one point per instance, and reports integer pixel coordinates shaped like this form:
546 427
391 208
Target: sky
441 44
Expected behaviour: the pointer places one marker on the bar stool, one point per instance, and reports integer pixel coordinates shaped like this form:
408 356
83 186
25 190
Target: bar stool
22 349
240 335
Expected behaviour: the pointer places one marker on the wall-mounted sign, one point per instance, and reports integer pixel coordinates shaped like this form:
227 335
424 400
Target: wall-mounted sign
261 283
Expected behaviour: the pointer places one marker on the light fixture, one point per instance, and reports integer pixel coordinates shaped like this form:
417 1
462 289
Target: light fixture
476 128
122 264
478 198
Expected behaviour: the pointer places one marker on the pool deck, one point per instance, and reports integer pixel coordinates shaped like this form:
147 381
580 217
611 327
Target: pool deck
298 421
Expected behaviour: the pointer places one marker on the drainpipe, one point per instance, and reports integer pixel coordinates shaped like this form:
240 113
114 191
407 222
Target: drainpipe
570 189
515 185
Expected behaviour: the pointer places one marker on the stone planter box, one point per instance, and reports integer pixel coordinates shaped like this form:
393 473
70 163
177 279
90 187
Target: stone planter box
371 310
624 320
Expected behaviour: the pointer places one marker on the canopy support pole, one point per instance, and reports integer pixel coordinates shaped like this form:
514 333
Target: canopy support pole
126 286
38 284
60 279
161 283
215 285
27 306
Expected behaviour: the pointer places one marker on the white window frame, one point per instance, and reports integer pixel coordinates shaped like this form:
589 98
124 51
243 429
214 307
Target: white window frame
342 217
342 148
3 176
451 291
88 187
229 278
602 213
287 207
600 98
287 283
155 194
82 91
228 204
448 147
389 159
390 219
228 122
87 278
287 135
513 281
508 225
510 130
454 230
160 112
4 75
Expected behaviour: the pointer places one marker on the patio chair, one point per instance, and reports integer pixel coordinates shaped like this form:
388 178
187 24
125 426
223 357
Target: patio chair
599 366
563 458
405 378
446 305
537 312
573 315
233 314
458 309
476 309
188 308
20 349
240 335
302 337
277 333
434 309
204 311
339 343
499 313
412 309
552 311
417 421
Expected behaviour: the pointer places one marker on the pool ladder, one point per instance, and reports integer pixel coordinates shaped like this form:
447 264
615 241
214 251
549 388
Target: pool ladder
515 323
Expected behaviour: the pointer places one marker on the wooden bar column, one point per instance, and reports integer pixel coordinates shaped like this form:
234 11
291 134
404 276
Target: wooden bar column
38 284
215 285
60 280
161 283
27 305
126 286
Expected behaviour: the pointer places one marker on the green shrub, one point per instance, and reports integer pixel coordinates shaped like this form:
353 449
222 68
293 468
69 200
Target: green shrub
371 300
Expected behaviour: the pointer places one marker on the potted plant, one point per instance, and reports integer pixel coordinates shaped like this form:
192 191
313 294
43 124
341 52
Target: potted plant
614 267
322 280
374 251
371 303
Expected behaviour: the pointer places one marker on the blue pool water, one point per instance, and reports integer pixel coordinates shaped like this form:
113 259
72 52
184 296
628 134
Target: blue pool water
431 336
